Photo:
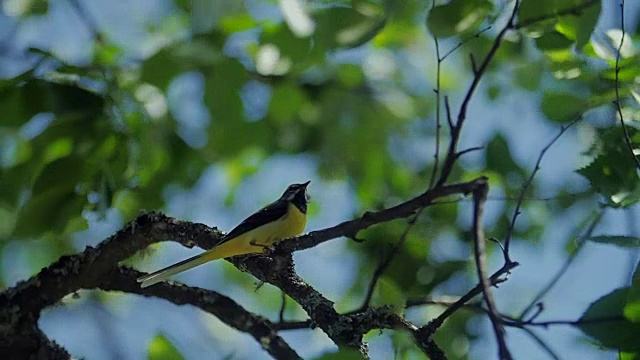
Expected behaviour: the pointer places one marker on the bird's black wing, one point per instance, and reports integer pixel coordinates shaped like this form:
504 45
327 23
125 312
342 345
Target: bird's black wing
267 214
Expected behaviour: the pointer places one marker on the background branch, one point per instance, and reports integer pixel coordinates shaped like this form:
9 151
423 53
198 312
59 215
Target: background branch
627 137
456 130
528 183
479 198
224 308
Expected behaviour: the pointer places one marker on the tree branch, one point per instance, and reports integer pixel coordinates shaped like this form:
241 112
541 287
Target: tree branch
21 304
351 227
494 279
224 308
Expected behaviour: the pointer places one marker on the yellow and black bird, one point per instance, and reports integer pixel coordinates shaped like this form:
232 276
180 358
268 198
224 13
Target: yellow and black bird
283 218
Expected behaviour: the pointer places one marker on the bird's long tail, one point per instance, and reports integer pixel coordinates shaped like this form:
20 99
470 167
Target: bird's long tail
169 271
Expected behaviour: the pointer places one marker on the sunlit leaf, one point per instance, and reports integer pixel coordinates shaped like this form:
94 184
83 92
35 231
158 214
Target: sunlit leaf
612 173
580 25
345 27
457 17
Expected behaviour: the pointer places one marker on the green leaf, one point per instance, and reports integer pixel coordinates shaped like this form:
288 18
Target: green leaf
161 348
390 293
345 27
575 20
632 308
238 22
7 220
48 212
38 7
14 181
553 41
14 150
533 10
286 102
498 157
107 54
20 103
613 172
618 240
128 202
342 354
62 174
616 332
294 53
528 76
628 356
73 100
580 27
160 69
458 16
562 106
202 52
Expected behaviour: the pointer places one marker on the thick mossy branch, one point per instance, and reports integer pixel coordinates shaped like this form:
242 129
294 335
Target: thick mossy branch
98 268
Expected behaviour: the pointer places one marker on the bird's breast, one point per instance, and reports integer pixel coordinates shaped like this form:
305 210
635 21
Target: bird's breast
295 221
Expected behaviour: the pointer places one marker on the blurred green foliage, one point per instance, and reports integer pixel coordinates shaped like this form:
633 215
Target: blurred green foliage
78 140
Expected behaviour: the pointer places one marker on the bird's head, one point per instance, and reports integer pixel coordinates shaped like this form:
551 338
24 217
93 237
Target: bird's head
297 194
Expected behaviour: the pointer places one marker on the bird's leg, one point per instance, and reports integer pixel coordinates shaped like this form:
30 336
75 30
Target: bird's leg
266 249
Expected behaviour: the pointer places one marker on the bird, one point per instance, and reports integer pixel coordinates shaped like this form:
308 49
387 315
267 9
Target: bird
282 219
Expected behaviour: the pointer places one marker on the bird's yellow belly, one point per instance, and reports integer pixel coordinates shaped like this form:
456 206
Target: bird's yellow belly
254 241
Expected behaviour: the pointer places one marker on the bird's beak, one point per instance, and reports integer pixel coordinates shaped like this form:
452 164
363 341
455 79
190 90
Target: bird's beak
306 194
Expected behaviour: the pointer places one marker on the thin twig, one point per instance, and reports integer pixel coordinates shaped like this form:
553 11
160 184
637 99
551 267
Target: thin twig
466 151
436 156
513 322
384 263
438 91
463 41
527 183
447 107
495 279
627 137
